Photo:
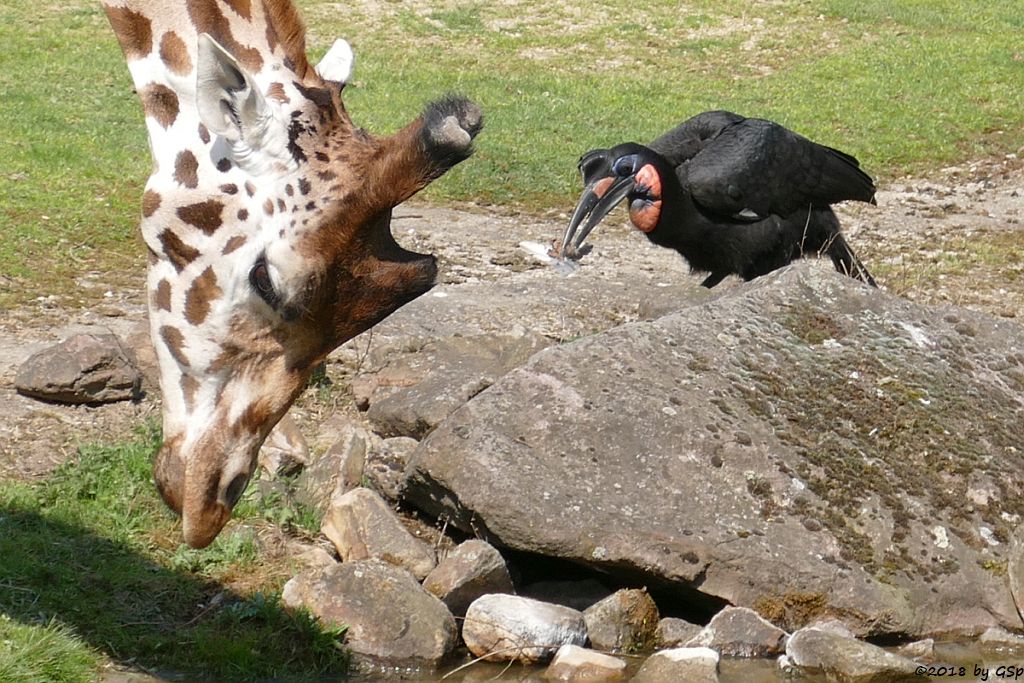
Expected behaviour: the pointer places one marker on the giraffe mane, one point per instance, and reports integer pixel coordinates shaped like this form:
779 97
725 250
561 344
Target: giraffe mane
285 26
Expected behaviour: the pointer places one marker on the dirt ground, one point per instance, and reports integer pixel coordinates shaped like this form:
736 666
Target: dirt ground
955 238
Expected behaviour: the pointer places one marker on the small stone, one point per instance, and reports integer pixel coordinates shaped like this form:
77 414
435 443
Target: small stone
576 664
918 650
845 660
1000 640
690 664
84 368
473 569
390 618
501 627
361 525
338 470
741 632
384 470
285 451
673 633
625 621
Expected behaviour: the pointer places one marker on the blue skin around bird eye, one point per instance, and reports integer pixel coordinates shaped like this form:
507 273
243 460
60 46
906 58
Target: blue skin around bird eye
624 166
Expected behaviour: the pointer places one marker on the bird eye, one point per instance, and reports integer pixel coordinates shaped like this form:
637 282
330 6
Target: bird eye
625 166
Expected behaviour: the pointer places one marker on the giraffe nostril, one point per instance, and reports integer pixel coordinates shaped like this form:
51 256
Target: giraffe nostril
234 490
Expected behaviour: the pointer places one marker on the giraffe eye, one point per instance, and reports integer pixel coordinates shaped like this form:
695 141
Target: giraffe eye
259 278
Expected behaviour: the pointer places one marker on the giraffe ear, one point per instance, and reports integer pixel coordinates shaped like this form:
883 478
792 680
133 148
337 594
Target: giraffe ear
229 102
337 63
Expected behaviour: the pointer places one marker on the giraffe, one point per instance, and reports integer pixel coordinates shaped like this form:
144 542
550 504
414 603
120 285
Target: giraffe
267 224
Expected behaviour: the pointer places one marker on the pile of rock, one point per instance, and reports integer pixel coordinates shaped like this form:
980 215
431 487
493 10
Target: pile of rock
405 604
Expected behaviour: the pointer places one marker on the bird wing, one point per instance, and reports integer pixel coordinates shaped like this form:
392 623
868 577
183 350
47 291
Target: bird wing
754 168
686 140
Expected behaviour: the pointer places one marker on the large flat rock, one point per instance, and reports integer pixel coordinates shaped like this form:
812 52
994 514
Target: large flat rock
802 445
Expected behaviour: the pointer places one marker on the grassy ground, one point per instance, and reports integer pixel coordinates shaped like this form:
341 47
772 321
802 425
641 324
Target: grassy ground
92 571
90 567
906 87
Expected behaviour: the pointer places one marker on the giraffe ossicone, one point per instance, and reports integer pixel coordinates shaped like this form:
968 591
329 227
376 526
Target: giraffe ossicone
267 221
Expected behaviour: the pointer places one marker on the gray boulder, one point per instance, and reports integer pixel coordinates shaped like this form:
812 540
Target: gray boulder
801 445
741 632
391 620
84 368
625 621
846 660
361 526
690 664
471 570
408 392
673 632
575 664
338 470
512 628
386 463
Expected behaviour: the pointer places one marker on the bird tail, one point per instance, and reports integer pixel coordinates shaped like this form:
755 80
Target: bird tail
845 261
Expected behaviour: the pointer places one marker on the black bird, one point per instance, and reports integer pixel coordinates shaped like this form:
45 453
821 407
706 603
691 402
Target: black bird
734 196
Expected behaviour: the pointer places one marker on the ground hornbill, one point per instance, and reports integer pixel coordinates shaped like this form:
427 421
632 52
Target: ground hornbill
734 196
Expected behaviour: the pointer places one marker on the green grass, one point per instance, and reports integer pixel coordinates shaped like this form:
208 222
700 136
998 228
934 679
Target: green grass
92 570
907 87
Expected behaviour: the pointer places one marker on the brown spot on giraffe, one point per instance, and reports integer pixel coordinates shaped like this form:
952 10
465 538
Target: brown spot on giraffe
177 251
161 103
200 296
134 31
174 54
229 188
304 186
250 189
236 241
203 215
326 175
204 134
186 169
189 388
175 342
208 18
224 165
162 295
281 205
243 215
242 7
268 207
289 190
276 92
150 203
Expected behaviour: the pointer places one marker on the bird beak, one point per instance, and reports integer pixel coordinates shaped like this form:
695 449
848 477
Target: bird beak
594 204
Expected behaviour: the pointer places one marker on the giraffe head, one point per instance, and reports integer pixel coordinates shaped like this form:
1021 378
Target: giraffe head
267 219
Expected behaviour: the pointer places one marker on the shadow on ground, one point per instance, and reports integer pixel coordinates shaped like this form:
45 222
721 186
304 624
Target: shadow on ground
147 616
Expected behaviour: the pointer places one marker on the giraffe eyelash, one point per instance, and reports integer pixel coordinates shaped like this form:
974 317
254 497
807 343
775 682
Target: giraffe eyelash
259 280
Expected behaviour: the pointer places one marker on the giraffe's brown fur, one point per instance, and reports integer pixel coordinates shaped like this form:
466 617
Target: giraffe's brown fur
176 250
186 169
161 103
200 297
134 30
205 215
150 203
175 55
